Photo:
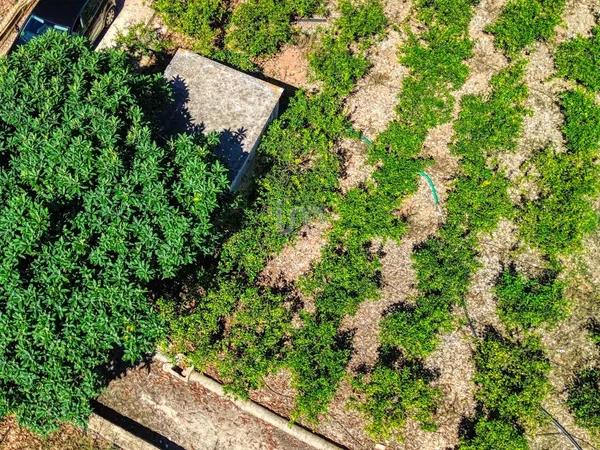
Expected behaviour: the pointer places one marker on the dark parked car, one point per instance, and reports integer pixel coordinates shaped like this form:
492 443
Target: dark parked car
84 17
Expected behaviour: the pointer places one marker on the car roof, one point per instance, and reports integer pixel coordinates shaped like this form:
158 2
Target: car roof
59 12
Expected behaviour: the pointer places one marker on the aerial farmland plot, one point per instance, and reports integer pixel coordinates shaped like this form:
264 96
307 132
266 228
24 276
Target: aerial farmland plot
408 259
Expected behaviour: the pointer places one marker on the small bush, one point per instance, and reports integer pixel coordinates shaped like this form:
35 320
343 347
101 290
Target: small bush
584 398
568 182
490 434
141 40
260 27
318 360
512 377
202 20
527 303
92 213
577 59
523 22
390 396
360 20
336 66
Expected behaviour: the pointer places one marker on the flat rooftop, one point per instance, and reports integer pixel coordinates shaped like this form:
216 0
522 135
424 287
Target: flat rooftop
210 96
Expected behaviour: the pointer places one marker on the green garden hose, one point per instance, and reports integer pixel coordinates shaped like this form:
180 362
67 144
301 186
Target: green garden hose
434 193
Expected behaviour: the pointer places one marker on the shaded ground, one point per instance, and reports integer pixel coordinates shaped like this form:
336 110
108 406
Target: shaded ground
189 415
13 437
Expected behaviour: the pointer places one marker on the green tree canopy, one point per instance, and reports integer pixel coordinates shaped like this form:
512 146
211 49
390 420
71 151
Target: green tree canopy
92 210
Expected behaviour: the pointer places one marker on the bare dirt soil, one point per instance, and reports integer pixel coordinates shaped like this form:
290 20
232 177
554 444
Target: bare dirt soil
5 7
189 415
13 437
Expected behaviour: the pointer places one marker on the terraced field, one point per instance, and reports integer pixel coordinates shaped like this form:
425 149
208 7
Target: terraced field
414 264
385 314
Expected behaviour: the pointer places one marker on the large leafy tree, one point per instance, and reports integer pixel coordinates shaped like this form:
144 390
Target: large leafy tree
92 212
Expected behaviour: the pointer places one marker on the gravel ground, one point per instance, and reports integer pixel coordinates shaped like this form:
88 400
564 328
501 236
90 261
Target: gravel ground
13 437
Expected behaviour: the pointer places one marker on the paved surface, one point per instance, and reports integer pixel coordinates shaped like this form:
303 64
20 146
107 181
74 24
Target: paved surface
129 12
190 416
210 96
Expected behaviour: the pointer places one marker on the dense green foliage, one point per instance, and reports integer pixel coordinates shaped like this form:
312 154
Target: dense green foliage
584 398
260 27
512 377
333 62
530 302
202 20
577 59
393 394
522 22
92 212
568 181
490 434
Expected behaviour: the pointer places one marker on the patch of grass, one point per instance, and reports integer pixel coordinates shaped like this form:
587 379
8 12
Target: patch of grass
577 59
522 22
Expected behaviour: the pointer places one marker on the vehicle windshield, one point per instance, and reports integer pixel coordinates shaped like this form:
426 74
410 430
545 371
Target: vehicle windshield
37 26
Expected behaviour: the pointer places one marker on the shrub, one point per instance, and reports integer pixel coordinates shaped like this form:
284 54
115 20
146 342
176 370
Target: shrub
141 40
390 396
260 27
337 66
522 22
577 59
512 377
490 434
318 360
202 20
334 62
584 398
93 212
527 303
568 181
360 19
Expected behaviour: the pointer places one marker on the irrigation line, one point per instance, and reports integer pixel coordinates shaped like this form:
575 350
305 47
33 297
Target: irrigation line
562 429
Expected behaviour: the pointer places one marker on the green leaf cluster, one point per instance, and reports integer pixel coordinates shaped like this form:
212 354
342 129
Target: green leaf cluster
390 395
260 27
512 378
523 22
493 434
562 215
577 59
530 302
202 20
334 62
93 211
584 398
